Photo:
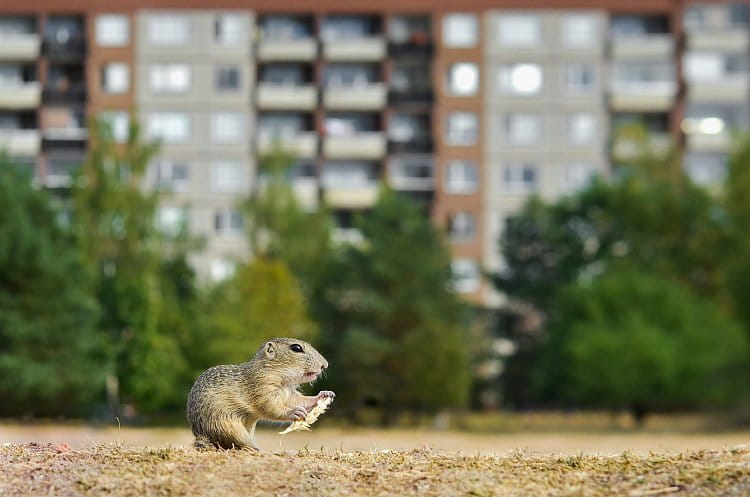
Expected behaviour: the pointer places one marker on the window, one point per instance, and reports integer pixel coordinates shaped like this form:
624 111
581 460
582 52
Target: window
230 30
115 77
119 122
522 128
581 128
168 30
461 177
463 79
578 176
698 67
112 30
460 30
171 176
579 31
520 177
519 31
520 79
349 174
465 275
228 176
171 220
462 128
170 127
227 128
462 227
228 222
580 79
169 78
227 78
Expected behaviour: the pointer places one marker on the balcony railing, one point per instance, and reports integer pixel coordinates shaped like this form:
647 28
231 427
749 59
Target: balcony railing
643 96
362 145
21 96
355 50
734 88
354 197
278 97
66 133
299 49
303 145
19 46
417 144
729 40
625 149
365 97
20 142
60 170
646 46
411 96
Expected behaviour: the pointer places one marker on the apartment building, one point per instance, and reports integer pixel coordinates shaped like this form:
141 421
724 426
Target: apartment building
467 107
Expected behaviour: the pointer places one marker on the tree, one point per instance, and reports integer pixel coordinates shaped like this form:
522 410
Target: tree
637 341
114 219
51 358
261 301
398 333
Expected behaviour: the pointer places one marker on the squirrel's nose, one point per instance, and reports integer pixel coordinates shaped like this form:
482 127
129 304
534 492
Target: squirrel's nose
324 365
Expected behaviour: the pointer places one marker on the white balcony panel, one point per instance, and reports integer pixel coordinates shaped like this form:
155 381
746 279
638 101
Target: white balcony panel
411 184
24 96
20 142
703 142
275 97
66 133
628 149
351 198
304 145
365 145
369 97
361 50
654 46
723 41
287 50
643 97
19 47
306 192
734 89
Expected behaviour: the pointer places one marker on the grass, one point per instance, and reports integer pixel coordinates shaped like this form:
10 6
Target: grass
112 469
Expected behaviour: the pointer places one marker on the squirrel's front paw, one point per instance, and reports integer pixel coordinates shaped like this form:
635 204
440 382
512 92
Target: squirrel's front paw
326 394
298 413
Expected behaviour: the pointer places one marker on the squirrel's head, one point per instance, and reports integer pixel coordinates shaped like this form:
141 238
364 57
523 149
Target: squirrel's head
295 360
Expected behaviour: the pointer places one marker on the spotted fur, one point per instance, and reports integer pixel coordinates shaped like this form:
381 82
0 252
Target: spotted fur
227 401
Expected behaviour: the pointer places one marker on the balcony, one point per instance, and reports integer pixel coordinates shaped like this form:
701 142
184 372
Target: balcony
74 93
730 89
655 46
361 145
355 50
279 97
19 47
646 96
22 96
730 40
306 192
705 142
20 142
403 182
659 143
355 197
365 97
67 133
303 145
60 170
292 50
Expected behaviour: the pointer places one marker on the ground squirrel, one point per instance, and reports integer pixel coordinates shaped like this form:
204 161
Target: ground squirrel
226 402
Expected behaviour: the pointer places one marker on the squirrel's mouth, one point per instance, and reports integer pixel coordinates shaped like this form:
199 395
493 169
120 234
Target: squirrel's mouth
310 376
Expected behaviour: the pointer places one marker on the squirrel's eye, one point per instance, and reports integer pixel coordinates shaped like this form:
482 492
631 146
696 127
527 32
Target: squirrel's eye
296 347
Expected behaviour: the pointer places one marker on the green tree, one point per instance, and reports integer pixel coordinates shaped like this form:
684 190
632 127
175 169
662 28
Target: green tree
115 224
261 301
51 357
637 341
400 335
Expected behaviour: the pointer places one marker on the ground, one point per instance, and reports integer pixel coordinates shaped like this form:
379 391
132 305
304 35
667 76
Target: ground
119 470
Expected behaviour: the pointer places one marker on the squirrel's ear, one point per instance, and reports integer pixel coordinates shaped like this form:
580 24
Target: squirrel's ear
270 349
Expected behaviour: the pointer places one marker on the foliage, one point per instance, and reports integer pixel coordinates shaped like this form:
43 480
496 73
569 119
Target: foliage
396 332
114 220
261 301
634 340
50 352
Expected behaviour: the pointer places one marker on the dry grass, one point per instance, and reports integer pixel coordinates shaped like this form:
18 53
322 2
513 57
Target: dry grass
47 469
